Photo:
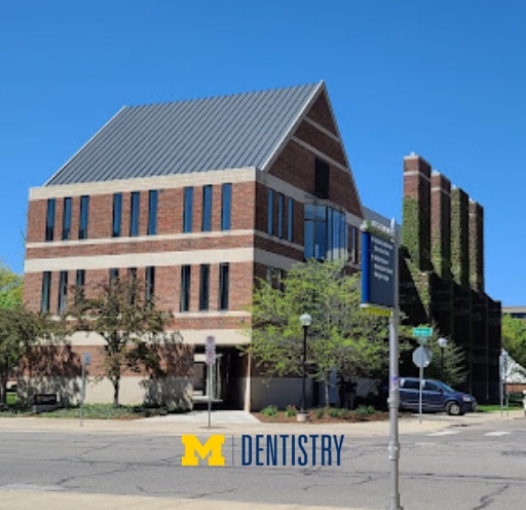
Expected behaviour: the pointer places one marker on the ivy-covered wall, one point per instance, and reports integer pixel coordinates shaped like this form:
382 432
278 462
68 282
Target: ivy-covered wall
459 237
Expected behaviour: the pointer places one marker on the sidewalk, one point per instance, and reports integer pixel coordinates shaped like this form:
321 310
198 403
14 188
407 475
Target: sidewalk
177 425
17 500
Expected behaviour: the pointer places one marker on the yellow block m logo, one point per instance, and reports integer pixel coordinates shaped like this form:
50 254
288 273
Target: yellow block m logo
214 445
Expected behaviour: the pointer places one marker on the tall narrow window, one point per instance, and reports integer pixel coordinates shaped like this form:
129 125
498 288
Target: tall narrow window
131 286
117 215
46 292
185 288
150 283
153 199
270 226
114 275
80 279
281 214
226 206
206 223
66 219
62 292
188 209
134 213
321 178
204 287
50 219
84 217
290 220
223 286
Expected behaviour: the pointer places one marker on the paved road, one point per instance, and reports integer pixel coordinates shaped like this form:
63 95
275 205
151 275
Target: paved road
461 468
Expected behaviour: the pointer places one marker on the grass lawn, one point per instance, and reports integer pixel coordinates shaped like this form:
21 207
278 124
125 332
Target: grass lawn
492 408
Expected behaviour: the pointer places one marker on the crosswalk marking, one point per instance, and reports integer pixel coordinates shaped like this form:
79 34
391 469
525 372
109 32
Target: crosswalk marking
443 433
498 433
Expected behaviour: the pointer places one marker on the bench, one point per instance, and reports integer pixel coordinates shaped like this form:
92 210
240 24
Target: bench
43 402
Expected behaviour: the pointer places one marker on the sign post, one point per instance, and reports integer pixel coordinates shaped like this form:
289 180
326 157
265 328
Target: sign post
86 360
380 295
421 358
210 359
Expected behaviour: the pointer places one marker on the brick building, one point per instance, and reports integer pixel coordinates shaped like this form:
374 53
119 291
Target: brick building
442 271
199 198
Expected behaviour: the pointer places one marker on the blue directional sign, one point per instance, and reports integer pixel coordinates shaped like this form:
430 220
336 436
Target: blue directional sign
378 271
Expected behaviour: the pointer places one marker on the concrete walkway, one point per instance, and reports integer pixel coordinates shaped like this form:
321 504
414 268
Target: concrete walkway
237 423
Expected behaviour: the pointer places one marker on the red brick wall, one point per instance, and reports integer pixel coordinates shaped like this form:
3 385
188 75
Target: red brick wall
320 113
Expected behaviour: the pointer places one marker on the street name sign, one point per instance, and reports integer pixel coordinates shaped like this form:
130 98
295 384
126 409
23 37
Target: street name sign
422 332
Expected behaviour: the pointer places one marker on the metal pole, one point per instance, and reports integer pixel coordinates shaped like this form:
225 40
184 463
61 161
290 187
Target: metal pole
209 395
304 377
82 394
442 364
501 385
420 392
394 394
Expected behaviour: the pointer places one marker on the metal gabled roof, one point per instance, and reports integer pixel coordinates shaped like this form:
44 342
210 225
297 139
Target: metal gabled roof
236 131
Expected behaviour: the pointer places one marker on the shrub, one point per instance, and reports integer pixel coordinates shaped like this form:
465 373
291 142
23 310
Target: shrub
320 413
290 411
269 411
337 413
362 412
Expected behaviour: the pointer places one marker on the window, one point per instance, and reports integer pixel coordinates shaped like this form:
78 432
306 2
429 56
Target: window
114 275
290 220
131 286
134 213
188 209
62 292
204 287
281 214
153 199
117 215
431 386
80 279
270 226
66 219
321 178
84 216
411 384
223 286
185 288
206 220
326 234
50 219
226 206
150 283
46 292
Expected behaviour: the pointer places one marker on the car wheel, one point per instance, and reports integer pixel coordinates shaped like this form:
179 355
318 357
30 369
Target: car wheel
453 409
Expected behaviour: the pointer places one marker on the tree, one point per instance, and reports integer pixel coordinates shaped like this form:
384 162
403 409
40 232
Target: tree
454 372
10 288
342 337
125 315
514 338
20 329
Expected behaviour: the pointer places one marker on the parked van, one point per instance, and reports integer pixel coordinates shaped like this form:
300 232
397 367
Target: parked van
436 396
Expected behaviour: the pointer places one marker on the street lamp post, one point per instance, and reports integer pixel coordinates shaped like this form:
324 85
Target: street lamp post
442 342
306 321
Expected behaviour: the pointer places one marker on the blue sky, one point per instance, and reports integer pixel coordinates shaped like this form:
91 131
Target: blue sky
443 79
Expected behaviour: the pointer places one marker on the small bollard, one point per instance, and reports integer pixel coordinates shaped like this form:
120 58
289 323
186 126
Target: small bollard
524 402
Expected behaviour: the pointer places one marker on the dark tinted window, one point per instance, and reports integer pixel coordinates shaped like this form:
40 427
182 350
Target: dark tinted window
46 291
117 215
204 287
410 384
84 217
281 215
50 219
226 206
62 292
153 198
66 219
150 283
134 213
270 225
223 286
290 220
185 288
206 223
188 208
321 179
431 386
